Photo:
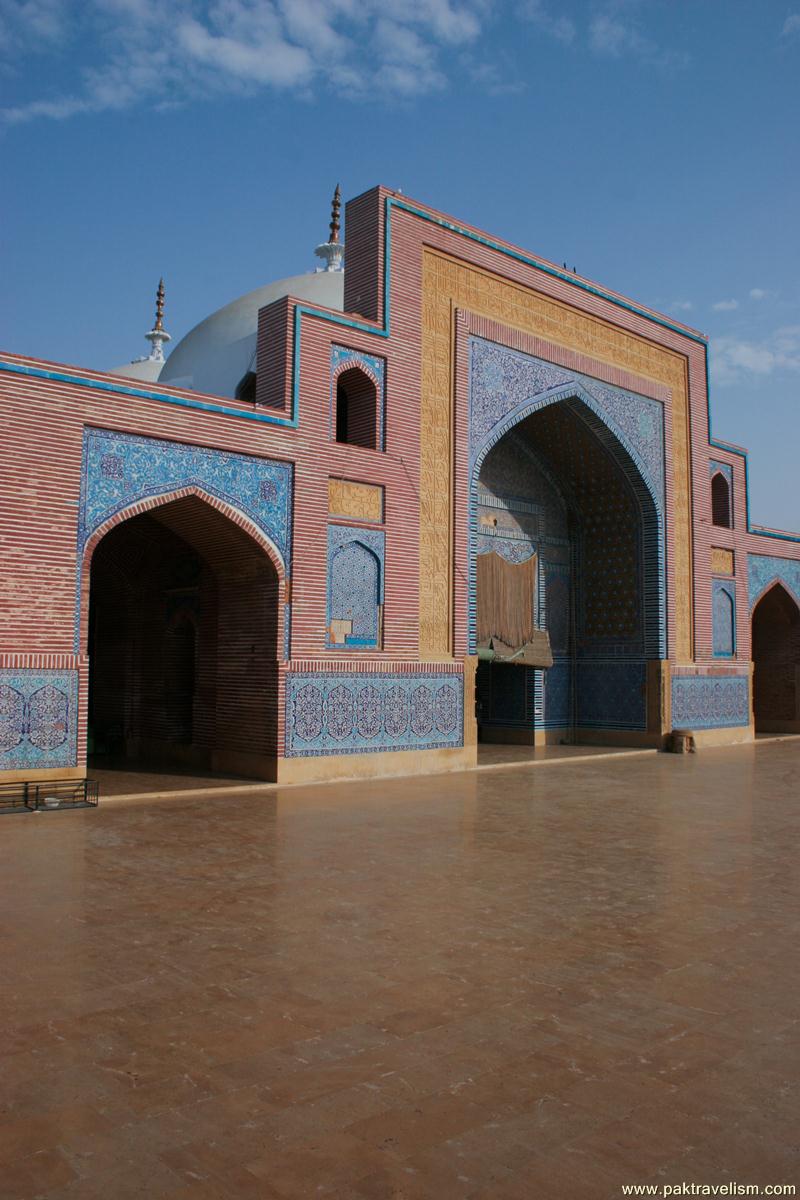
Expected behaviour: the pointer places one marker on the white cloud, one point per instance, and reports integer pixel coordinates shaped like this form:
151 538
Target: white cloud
733 359
559 27
791 25
725 305
614 33
355 47
758 294
681 306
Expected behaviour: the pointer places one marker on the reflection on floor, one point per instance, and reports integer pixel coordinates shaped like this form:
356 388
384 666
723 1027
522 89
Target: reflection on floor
493 754
132 778
492 985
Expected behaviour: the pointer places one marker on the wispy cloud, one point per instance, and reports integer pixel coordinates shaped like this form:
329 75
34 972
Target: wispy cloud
733 359
127 52
791 26
556 25
615 31
725 305
681 306
759 293
356 47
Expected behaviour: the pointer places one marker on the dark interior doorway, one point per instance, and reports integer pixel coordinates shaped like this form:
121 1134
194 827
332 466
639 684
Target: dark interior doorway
183 644
776 662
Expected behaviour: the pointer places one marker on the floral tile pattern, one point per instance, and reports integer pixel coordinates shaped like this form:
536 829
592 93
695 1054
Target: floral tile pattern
362 712
710 701
38 719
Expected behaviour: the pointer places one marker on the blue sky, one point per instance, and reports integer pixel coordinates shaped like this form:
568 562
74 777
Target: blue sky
651 143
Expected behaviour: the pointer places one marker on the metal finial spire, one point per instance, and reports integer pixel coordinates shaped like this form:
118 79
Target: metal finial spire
157 336
159 325
332 251
336 205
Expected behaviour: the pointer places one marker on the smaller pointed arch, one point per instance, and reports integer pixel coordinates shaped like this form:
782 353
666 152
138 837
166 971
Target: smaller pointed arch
721 507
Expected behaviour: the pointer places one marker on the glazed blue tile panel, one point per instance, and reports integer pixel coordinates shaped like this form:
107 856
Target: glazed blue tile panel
725 468
38 719
512 549
120 469
355 582
557 695
503 381
557 599
361 713
764 569
723 618
611 694
710 702
342 355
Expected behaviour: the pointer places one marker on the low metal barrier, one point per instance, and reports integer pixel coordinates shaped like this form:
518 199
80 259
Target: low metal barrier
49 796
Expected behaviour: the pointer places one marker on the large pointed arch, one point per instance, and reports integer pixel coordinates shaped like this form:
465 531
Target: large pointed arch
147 504
776 660
646 490
181 620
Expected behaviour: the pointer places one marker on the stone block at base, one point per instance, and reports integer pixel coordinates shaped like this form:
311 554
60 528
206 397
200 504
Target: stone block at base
703 738
42 776
372 766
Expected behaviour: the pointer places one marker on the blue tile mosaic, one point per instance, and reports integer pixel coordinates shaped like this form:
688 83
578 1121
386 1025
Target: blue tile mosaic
355 583
710 701
360 712
766 569
611 694
558 695
120 469
38 719
600 451
725 468
503 382
723 618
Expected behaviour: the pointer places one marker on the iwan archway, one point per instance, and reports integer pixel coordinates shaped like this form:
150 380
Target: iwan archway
776 662
182 632
567 573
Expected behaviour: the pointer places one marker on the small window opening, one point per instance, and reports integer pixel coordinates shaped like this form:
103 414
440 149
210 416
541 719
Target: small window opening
246 388
357 409
720 501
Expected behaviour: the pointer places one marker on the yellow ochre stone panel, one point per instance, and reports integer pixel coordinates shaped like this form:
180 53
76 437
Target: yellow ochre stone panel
448 284
721 561
361 501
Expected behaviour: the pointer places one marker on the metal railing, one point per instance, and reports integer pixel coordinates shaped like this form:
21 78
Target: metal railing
50 795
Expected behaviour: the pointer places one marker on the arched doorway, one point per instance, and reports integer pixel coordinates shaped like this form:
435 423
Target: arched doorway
776 662
183 629
575 529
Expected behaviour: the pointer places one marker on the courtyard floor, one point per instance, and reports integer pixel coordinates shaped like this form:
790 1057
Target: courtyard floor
514 984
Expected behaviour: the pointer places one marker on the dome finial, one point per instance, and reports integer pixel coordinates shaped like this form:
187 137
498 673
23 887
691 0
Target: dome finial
157 336
332 251
336 205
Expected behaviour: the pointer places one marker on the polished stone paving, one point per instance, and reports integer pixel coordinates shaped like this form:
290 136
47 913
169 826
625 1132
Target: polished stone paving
518 984
133 780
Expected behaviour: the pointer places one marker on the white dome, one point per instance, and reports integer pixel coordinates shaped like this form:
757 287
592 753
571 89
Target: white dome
217 353
145 369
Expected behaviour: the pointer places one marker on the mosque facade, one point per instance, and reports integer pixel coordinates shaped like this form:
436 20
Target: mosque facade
363 520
